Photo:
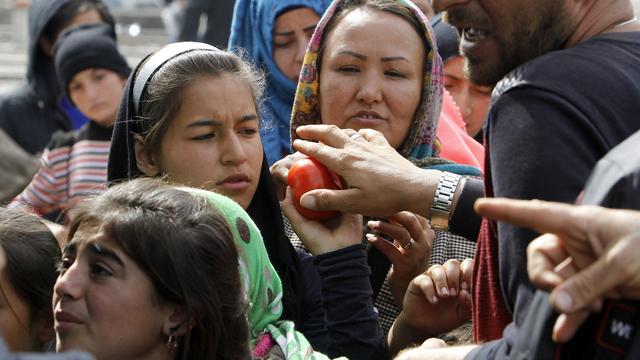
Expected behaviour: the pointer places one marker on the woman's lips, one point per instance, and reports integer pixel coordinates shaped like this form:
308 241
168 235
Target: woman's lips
235 182
366 119
65 321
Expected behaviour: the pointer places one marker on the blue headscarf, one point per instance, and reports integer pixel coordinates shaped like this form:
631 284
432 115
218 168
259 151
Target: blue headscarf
252 30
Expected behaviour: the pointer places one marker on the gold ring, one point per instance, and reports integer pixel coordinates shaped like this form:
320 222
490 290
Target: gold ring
409 245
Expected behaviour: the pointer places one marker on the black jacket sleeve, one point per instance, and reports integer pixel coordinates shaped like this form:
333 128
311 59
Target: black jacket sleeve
351 320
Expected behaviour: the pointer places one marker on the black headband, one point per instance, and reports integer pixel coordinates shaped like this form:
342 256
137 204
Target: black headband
157 61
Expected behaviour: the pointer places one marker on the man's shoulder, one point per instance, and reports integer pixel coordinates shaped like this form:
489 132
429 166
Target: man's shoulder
595 61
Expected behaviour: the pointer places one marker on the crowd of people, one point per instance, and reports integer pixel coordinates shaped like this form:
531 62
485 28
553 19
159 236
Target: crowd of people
487 152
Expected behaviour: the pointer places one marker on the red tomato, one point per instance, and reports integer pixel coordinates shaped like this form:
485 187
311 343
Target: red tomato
306 175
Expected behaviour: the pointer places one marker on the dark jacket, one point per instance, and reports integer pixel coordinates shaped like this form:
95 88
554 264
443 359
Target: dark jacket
614 183
31 113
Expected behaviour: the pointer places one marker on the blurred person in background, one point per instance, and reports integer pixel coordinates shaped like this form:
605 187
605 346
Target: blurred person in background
93 74
218 14
275 34
472 99
31 113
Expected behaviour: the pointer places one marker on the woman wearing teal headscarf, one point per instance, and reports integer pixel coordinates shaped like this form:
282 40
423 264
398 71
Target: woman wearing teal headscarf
253 29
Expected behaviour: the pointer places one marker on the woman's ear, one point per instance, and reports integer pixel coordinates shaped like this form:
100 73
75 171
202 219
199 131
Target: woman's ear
144 161
177 323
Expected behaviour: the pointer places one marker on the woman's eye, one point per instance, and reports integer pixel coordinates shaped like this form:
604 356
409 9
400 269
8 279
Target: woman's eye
395 74
204 137
283 44
483 90
99 270
349 69
248 132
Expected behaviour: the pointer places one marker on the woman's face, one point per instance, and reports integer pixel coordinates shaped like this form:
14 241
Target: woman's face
97 94
213 141
291 35
472 99
104 304
15 318
372 74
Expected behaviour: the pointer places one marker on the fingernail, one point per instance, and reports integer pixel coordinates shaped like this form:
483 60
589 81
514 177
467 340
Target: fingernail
434 299
564 302
373 224
308 202
454 292
464 285
445 291
371 237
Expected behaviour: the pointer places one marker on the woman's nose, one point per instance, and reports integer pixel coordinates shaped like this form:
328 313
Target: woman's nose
370 90
234 153
70 283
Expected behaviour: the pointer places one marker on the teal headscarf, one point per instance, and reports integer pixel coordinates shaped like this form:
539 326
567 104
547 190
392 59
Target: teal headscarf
261 283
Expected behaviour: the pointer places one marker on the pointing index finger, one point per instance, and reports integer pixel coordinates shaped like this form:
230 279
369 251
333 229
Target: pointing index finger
541 216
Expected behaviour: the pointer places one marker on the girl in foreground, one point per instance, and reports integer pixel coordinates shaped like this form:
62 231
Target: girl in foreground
157 272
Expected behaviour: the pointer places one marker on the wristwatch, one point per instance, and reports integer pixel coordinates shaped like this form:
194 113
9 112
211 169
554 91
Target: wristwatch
442 200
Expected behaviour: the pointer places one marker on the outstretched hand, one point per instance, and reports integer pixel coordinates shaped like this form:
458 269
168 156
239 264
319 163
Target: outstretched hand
587 253
321 237
409 250
439 300
436 302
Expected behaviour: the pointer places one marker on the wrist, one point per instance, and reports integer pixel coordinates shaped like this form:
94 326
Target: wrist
443 200
422 191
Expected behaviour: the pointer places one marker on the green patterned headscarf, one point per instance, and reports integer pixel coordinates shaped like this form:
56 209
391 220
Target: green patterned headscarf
261 283
421 145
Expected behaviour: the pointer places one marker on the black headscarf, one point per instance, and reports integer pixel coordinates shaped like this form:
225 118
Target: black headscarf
264 208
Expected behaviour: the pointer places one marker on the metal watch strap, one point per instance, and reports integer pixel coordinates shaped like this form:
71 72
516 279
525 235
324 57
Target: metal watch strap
442 200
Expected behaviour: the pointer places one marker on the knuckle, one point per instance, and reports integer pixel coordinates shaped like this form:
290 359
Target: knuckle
452 264
333 129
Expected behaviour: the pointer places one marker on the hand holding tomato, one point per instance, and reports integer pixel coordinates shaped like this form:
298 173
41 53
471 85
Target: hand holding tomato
321 237
308 174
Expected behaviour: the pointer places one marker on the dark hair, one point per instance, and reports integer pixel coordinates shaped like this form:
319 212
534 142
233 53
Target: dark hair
163 96
390 6
32 254
186 248
68 11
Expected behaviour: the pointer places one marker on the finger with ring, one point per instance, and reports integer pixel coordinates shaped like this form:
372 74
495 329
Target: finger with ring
409 244
356 137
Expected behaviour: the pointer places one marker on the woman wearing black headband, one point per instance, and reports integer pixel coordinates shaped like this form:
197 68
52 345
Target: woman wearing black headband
190 114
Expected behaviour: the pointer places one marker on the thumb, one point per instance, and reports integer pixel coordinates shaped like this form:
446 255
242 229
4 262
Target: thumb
582 289
325 199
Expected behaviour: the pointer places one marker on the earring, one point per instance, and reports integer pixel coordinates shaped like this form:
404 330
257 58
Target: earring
172 343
